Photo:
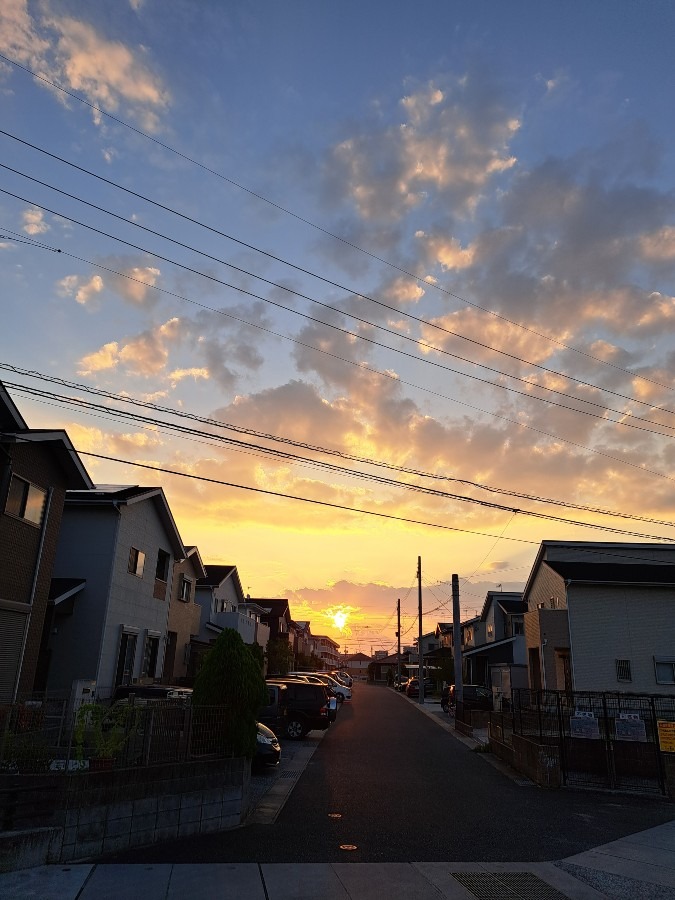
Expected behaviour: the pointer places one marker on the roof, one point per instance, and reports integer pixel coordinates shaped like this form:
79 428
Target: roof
114 495
273 608
611 573
510 601
215 575
487 649
585 549
62 588
192 553
358 657
10 417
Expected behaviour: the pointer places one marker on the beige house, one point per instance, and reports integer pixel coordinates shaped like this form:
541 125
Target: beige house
601 617
184 615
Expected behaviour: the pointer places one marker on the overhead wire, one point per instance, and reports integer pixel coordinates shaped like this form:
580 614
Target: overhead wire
623 414
242 446
419 280
401 312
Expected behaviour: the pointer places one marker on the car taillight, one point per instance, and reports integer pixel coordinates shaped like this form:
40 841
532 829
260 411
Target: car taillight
323 711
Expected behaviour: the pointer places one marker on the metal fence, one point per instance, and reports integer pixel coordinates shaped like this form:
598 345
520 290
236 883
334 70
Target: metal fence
48 736
605 740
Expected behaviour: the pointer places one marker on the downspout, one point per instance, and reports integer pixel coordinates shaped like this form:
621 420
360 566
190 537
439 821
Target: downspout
568 582
33 590
543 663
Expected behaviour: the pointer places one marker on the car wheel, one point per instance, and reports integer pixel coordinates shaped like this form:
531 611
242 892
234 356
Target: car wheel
295 730
340 698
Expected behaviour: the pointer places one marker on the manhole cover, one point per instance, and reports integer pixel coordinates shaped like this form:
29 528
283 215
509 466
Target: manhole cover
507 886
348 847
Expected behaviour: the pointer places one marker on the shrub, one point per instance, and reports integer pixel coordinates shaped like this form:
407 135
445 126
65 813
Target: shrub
230 678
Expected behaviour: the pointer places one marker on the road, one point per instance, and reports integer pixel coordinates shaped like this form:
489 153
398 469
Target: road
407 790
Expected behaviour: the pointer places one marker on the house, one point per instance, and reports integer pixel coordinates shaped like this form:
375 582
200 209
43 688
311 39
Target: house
223 605
327 651
108 610
500 662
37 467
356 664
601 617
277 617
184 616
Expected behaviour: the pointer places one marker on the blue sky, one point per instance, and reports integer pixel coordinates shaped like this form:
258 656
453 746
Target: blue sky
498 176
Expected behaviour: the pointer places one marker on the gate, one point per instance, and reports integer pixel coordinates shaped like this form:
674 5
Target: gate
606 741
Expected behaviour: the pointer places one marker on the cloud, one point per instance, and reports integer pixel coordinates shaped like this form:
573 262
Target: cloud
146 354
453 139
181 374
71 52
83 290
33 221
135 282
659 246
106 357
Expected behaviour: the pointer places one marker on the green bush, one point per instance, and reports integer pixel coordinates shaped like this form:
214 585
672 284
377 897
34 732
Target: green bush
230 678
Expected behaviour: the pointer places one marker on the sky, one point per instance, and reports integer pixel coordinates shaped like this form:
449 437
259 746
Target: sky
356 284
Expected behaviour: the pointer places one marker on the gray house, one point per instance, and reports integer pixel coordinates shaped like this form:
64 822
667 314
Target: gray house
111 590
601 617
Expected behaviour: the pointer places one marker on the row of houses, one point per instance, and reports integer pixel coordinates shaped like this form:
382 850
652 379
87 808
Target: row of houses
97 588
594 616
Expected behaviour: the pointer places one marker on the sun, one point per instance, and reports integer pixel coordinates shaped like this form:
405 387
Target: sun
340 618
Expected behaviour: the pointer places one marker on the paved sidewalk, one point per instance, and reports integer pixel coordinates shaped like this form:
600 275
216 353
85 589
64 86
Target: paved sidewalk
639 867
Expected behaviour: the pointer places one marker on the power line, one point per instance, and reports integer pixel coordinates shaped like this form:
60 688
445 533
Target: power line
419 343
325 231
244 446
621 422
349 290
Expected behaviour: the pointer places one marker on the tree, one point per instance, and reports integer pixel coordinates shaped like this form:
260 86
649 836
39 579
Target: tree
230 679
258 654
279 656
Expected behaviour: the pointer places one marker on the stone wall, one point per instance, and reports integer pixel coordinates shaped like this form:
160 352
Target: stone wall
95 814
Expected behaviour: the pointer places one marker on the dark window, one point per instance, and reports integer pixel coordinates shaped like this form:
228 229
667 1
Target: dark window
25 501
518 627
136 562
125 660
623 670
162 570
150 654
665 669
185 593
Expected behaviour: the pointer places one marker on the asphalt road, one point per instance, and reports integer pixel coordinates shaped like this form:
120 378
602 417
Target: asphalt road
406 790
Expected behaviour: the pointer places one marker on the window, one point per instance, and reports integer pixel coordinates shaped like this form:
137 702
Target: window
150 654
518 627
136 562
162 570
490 630
623 670
125 660
25 501
664 667
185 591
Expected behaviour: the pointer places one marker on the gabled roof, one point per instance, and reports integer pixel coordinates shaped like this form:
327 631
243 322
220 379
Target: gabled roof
10 418
611 573
125 495
192 553
275 609
215 575
358 657
510 601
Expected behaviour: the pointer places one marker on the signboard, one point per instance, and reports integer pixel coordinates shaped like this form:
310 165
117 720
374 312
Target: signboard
666 736
584 725
630 727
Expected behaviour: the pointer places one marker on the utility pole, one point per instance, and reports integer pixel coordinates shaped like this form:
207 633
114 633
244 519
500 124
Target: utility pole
457 641
398 638
419 638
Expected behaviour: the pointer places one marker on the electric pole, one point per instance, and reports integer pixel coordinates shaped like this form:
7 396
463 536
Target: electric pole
398 638
457 641
419 638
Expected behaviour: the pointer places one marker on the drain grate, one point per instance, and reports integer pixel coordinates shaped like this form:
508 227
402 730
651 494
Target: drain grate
507 886
290 774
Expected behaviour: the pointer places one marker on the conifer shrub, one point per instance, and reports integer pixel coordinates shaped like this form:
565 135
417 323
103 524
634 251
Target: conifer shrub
228 693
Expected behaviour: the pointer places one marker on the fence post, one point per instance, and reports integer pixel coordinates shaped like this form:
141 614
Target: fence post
541 733
657 749
609 750
561 740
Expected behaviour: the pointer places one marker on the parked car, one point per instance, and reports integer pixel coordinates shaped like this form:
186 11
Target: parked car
475 696
344 678
412 688
308 707
400 683
340 690
274 714
267 748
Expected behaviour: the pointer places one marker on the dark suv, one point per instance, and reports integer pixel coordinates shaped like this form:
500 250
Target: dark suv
308 707
475 696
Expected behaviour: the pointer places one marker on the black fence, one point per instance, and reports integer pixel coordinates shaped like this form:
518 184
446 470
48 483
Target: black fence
48 736
604 740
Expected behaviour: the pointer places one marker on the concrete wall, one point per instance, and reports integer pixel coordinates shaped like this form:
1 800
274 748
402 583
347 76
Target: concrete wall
93 814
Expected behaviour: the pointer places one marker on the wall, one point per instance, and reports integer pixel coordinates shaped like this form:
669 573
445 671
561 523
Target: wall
93 814
620 622
183 617
85 550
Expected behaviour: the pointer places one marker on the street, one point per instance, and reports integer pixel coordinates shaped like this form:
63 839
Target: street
407 790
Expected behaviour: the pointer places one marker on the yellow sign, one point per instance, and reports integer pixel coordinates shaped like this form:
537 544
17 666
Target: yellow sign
666 736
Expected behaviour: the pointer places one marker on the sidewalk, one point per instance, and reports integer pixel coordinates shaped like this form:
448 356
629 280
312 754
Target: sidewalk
638 867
